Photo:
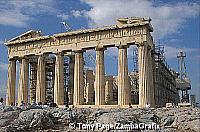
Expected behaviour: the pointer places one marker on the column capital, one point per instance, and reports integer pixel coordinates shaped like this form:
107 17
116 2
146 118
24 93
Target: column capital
79 51
12 59
145 44
123 46
149 47
32 58
59 53
22 57
41 55
100 48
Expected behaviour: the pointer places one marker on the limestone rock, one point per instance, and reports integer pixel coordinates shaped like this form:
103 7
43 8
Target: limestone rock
36 119
7 108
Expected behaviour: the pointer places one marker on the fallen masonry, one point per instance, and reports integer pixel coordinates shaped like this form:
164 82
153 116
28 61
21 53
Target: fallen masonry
73 119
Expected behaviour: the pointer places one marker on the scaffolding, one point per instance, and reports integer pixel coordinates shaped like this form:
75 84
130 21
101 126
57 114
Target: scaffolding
66 78
49 72
33 80
165 80
159 53
183 82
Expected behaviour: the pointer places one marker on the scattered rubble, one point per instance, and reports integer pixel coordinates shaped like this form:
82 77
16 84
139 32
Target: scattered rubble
168 119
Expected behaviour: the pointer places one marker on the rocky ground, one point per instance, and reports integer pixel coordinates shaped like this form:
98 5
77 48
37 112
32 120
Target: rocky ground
14 119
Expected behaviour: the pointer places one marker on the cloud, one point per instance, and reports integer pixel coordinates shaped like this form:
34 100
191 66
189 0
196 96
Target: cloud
1 42
171 52
78 13
3 66
19 12
166 19
3 91
63 16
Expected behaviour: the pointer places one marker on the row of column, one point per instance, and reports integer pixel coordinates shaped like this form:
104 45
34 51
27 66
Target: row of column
40 86
124 92
123 79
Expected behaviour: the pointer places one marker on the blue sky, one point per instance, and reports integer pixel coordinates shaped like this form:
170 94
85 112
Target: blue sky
176 25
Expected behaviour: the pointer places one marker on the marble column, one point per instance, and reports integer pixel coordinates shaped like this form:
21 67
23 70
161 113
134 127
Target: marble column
124 96
59 80
100 78
142 62
71 79
151 97
78 79
89 86
40 88
23 81
109 89
33 81
146 94
10 99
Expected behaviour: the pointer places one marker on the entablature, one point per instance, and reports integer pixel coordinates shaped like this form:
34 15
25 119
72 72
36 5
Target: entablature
126 34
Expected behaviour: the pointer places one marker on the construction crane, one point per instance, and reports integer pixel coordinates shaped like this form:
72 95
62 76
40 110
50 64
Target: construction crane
67 26
183 82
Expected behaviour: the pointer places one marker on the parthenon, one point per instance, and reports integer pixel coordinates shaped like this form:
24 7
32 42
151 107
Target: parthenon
85 88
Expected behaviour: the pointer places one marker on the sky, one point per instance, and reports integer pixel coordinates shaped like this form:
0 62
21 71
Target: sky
176 25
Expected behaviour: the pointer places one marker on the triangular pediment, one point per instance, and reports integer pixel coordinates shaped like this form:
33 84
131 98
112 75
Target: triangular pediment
27 35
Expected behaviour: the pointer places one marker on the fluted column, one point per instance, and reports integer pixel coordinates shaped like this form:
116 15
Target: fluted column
10 99
89 86
151 97
146 91
78 79
109 89
142 62
40 88
124 96
23 81
59 80
33 81
100 78
71 79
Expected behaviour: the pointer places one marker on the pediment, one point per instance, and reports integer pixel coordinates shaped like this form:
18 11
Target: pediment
27 35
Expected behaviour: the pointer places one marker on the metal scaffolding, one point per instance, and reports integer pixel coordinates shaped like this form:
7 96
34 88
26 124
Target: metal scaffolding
66 78
33 80
50 72
183 82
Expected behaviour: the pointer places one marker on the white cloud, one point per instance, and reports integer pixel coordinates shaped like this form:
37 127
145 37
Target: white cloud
63 16
3 91
78 13
3 66
14 18
1 42
171 52
19 12
166 19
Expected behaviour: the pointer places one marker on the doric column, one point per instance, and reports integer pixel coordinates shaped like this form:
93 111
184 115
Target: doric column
71 79
59 80
109 89
124 96
142 63
146 94
100 77
78 79
89 86
40 88
10 99
151 97
23 81
33 81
